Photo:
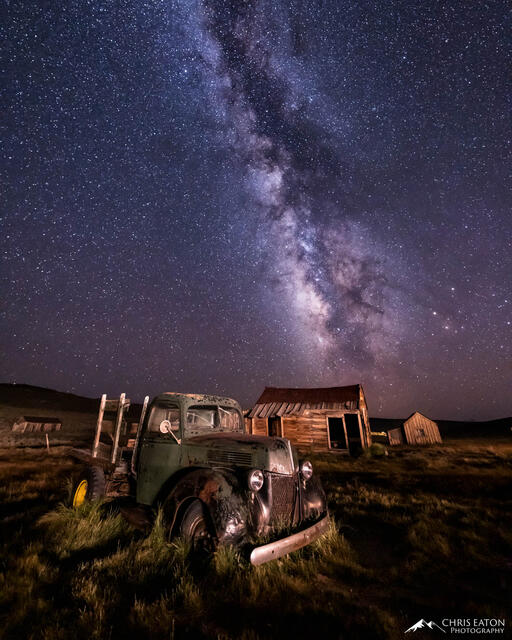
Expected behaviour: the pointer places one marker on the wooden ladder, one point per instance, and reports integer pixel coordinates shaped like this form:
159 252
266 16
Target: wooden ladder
118 405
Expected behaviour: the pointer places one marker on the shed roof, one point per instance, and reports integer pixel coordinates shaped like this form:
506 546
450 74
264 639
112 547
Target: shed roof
277 401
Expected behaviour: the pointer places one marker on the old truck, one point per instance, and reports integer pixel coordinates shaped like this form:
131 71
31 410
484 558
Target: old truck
190 456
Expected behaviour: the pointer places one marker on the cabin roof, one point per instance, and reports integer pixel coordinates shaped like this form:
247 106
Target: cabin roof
278 401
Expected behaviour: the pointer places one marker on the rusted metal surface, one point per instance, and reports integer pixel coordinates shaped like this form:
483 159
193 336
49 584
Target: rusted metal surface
213 468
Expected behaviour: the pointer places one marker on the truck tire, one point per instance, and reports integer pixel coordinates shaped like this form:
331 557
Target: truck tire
195 526
89 486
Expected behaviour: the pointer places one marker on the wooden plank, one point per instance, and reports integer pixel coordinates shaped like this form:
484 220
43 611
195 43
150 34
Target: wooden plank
282 408
273 407
255 411
111 405
117 432
98 425
259 426
260 408
266 410
85 456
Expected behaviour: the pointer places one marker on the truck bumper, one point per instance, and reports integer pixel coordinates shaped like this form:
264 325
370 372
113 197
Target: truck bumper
279 548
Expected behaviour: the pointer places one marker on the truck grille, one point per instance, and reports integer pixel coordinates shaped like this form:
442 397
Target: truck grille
230 457
283 499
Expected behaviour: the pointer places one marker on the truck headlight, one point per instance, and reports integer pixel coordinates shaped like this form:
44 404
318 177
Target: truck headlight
306 469
255 480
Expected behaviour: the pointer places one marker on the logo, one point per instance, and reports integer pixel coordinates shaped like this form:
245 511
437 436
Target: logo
421 624
461 626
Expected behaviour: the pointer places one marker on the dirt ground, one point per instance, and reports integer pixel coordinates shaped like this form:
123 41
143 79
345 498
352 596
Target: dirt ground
419 533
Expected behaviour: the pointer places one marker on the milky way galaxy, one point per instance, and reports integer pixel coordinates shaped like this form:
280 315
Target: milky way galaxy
216 196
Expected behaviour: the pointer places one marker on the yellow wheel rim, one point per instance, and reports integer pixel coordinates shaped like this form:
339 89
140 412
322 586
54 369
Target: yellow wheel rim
80 493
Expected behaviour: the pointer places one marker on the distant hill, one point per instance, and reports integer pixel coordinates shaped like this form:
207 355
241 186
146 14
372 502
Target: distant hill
31 397
454 428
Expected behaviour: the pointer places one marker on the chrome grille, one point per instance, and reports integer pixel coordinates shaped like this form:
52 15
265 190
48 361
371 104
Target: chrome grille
230 457
283 499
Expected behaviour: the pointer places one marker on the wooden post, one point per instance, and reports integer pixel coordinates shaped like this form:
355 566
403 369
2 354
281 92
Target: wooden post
117 432
137 438
98 426
47 443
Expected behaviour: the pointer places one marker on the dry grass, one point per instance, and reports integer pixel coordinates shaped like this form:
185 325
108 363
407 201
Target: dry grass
419 533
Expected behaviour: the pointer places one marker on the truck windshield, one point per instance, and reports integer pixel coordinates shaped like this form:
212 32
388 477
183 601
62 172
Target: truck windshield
202 420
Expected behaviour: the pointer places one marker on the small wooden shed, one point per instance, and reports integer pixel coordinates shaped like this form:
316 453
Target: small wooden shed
417 429
34 424
325 419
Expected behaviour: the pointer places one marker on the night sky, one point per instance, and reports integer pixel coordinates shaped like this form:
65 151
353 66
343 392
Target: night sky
218 196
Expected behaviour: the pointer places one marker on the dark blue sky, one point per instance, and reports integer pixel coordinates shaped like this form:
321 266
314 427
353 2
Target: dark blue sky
219 196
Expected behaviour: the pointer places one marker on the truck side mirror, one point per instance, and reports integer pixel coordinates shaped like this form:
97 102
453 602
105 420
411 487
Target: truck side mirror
165 426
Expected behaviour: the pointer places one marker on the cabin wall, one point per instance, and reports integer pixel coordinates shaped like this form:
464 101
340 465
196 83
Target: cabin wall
395 436
36 427
421 430
258 426
363 409
309 430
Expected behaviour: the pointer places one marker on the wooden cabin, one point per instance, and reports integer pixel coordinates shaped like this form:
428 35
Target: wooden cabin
417 429
325 419
34 424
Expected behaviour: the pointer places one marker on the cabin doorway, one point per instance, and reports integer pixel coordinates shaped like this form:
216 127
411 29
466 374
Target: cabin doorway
337 435
353 432
274 427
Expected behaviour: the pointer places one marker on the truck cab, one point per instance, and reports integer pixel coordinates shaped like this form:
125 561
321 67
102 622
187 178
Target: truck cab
192 457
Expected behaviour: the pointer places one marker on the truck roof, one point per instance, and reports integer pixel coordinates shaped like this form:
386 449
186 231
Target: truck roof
199 398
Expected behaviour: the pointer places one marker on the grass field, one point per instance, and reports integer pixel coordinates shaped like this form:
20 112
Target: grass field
417 534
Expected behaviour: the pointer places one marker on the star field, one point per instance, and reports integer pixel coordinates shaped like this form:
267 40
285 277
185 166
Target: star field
216 196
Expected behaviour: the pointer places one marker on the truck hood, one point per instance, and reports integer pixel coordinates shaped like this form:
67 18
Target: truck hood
242 450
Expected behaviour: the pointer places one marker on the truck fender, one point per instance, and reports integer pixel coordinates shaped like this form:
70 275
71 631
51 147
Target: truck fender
221 494
314 502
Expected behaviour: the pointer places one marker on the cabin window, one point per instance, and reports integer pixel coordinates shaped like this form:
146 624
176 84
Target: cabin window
337 437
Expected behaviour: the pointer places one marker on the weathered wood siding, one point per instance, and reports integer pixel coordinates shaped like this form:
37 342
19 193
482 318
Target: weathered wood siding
36 427
419 429
258 426
395 436
363 410
308 431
